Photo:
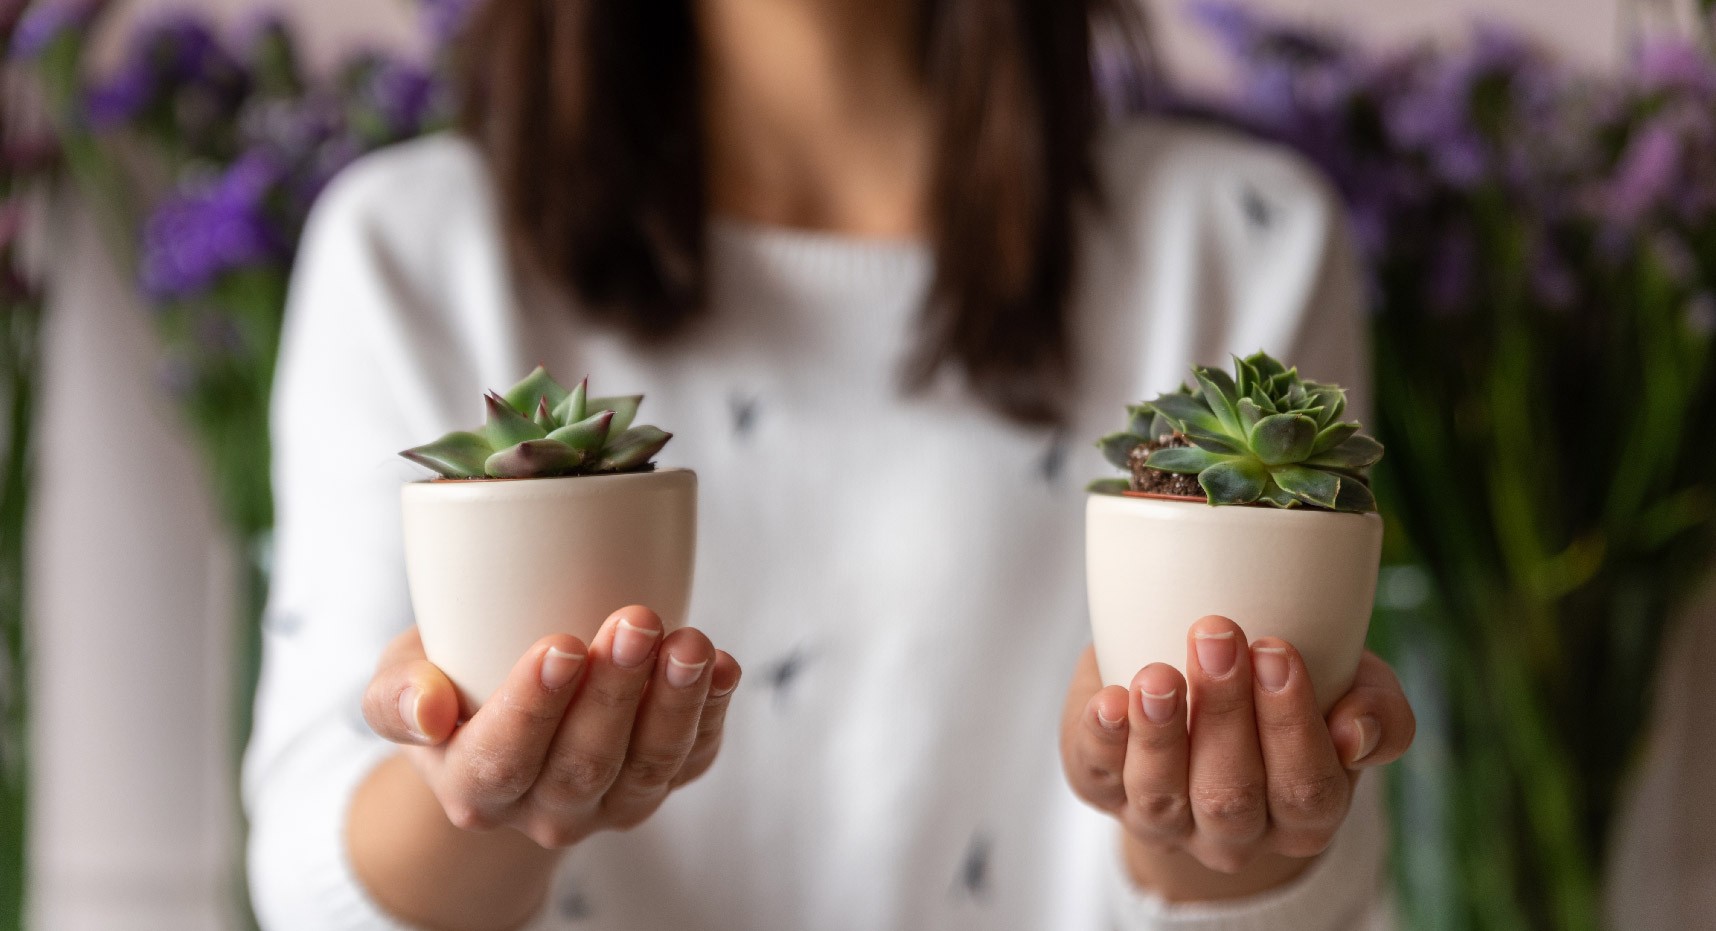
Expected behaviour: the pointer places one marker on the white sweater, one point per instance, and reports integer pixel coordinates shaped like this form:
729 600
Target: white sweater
900 576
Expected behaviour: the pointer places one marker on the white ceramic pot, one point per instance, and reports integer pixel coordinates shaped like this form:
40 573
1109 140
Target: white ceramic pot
496 565
1154 566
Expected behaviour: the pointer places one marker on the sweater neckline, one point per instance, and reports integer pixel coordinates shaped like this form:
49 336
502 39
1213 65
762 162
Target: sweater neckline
823 255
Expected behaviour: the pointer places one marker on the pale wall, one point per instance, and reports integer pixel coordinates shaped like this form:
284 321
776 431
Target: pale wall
133 829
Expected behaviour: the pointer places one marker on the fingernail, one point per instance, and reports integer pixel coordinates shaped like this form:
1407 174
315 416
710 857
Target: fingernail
408 702
1103 719
1369 733
1272 668
1215 652
1159 708
717 693
632 644
680 675
558 668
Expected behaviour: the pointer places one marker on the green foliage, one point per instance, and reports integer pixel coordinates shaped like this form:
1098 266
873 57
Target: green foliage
539 429
1260 435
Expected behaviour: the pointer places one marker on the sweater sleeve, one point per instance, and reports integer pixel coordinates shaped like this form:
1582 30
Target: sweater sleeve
339 592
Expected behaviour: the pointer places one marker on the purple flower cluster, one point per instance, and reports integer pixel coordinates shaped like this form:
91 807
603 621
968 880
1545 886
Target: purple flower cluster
201 232
252 139
1424 141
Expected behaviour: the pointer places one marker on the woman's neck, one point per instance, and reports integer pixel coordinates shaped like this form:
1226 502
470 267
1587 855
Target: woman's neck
816 115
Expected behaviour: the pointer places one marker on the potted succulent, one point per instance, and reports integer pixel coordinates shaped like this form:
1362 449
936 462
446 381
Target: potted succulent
544 520
1249 498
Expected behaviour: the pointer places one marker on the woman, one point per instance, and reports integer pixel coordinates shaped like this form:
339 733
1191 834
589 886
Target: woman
882 271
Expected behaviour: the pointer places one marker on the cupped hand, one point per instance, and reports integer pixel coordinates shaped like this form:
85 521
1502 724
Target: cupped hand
575 741
1230 765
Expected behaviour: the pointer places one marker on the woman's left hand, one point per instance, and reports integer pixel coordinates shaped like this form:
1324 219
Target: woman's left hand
1239 798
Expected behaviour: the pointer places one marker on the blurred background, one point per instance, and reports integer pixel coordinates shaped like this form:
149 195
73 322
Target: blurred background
1533 184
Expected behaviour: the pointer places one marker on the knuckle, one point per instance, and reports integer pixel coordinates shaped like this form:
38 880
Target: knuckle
1231 805
1162 810
651 769
606 693
581 775
1314 800
496 773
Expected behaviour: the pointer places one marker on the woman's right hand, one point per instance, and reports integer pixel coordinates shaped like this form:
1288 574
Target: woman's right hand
575 741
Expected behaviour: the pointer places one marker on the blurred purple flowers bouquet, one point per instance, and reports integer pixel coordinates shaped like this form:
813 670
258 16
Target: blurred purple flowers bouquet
1542 251
206 148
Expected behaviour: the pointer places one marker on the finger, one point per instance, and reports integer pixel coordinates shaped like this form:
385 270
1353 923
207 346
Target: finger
1225 772
410 700
666 727
590 748
500 750
711 724
1373 723
1093 738
1157 805
1307 788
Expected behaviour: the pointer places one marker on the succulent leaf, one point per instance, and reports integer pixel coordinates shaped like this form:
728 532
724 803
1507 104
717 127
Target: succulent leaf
1250 412
533 459
506 426
632 448
572 409
1263 434
524 397
1355 452
1283 438
1234 481
1186 413
1216 443
587 435
1218 389
457 455
1265 365
544 417
1333 435
1331 399
1117 447
1355 496
1279 497
1141 420
1185 459
625 410
1108 486
1312 486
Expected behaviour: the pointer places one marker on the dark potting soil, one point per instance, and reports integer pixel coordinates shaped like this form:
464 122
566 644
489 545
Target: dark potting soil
1157 481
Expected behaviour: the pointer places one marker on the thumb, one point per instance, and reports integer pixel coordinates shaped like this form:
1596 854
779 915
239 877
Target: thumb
410 700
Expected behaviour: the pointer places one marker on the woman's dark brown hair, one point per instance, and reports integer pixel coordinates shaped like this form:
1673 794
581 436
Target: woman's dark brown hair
587 111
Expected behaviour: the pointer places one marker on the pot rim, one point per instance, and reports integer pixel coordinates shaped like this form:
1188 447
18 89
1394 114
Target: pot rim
437 480
1254 506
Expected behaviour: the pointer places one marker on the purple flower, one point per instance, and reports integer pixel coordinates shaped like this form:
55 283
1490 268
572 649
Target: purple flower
1647 174
42 23
177 63
195 236
1674 64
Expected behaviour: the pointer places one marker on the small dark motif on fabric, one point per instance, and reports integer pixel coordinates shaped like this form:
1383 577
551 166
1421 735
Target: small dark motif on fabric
744 410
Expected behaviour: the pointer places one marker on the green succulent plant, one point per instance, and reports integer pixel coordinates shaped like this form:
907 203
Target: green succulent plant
540 429
1260 435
